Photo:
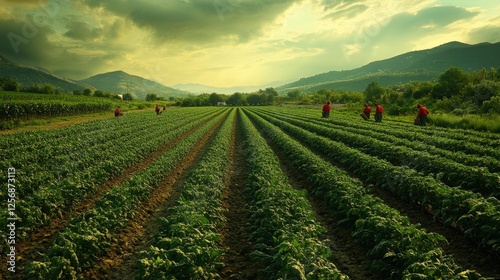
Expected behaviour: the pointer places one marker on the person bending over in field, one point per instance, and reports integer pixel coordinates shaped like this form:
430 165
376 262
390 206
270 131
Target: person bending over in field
422 115
118 112
378 112
326 109
367 111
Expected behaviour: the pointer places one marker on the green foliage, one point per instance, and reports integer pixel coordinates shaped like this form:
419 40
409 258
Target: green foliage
373 92
151 97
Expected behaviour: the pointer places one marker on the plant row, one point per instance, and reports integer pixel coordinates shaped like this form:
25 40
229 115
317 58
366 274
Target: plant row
382 134
12 110
442 141
477 217
468 135
397 248
53 197
49 156
186 246
283 224
450 172
91 234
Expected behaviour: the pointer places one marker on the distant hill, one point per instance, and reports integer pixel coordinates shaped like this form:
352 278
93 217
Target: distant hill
199 88
121 82
423 65
28 75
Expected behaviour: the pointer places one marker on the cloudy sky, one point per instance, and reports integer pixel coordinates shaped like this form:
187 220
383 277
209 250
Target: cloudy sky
232 42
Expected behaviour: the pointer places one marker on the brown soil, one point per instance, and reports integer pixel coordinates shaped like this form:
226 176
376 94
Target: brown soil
234 237
120 261
465 253
347 255
42 238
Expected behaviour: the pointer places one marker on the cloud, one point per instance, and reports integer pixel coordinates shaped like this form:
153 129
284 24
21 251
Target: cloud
198 21
489 33
348 12
82 31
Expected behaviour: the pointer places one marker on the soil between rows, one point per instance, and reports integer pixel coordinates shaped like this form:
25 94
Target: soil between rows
42 238
121 260
464 252
347 256
234 236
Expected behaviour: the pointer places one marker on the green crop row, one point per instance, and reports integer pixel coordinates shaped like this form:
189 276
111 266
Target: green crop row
89 235
397 248
27 109
186 246
57 157
383 134
451 173
282 221
464 135
477 217
52 197
479 144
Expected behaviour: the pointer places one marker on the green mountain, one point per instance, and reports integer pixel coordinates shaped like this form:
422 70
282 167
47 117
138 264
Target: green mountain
423 65
121 82
28 76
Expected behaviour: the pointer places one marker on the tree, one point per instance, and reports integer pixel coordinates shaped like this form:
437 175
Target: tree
98 93
292 95
87 92
151 97
452 82
128 97
9 84
373 91
215 98
236 99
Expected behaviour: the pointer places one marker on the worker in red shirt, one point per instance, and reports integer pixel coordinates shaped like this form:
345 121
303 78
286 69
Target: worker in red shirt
378 112
422 114
367 111
326 109
157 109
118 112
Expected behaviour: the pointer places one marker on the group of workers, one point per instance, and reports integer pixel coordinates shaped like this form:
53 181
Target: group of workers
379 110
119 113
157 109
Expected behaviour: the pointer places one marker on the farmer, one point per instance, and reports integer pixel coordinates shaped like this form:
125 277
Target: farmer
367 111
422 114
326 109
378 112
118 112
157 109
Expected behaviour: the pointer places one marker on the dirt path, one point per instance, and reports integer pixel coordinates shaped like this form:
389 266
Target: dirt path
234 236
465 253
346 254
42 238
120 261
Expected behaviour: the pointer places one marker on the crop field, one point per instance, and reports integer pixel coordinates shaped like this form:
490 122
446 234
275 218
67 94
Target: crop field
249 193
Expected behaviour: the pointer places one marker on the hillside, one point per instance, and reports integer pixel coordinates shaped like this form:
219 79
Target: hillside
199 89
411 66
28 76
121 82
